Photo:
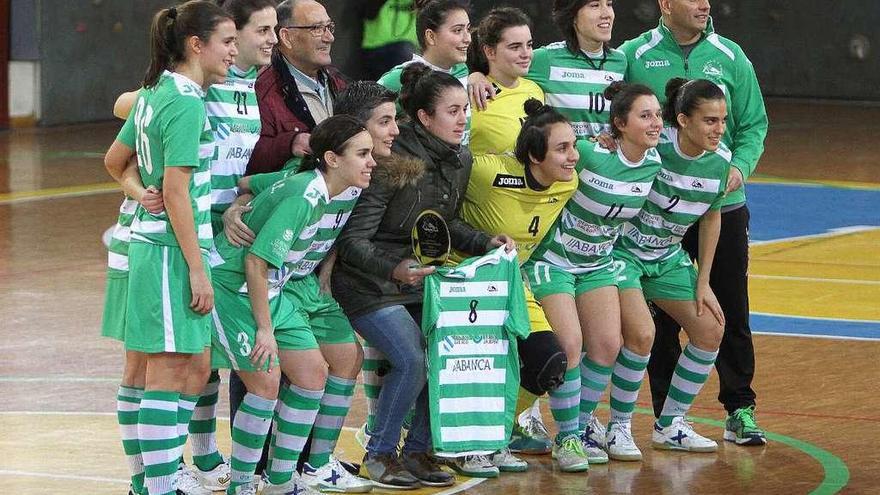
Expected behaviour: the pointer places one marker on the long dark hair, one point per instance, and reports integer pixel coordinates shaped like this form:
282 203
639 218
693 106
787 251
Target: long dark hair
170 29
421 88
564 16
532 139
489 33
330 135
241 10
683 96
431 14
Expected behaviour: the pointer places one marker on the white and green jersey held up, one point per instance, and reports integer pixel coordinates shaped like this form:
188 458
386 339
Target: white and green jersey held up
611 190
574 84
471 317
117 251
686 187
168 128
235 120
391 80
286 219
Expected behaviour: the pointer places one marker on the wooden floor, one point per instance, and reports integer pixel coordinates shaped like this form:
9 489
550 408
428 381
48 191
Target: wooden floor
817 397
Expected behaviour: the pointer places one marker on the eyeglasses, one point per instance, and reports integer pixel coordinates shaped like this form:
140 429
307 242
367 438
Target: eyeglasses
316 30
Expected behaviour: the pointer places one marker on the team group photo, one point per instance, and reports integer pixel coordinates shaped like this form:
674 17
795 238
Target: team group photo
442 246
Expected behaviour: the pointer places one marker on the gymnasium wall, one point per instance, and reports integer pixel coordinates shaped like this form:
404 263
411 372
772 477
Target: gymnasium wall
85 52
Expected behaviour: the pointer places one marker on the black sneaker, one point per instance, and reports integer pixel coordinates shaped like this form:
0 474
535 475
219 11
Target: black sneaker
385 471
423 467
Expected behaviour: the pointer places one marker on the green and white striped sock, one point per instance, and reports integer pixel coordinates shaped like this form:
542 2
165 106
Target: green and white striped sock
297 408
128 405
691 373
249 430
338 394
374 362
594 379
203 427
159 440
186 405
626 379
564 404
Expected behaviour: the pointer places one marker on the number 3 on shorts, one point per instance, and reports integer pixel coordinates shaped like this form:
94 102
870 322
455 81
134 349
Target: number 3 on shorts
244 347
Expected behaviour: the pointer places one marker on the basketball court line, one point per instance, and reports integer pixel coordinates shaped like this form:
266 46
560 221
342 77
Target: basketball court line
57 193
836 473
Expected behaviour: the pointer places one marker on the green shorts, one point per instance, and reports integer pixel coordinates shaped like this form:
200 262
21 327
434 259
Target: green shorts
115 297
674 278
235 329
546 279
157 315
329 324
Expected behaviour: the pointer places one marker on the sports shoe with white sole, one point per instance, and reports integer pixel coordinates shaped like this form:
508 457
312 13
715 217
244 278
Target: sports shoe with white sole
294 485
741 428
530 436
333 477
593 440
246 489
188 483
475 466
680 435
216 479
569 454
620 444
506 462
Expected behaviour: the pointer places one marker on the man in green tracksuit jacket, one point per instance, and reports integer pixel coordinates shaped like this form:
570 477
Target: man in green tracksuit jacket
685 44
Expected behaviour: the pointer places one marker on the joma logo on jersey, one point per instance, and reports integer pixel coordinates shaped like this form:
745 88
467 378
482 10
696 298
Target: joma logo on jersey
601 183
510 181
471 364
654 64
664 174
573 75
457 289
238 152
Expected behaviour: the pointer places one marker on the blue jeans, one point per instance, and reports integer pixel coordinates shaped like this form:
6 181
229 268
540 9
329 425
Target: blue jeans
396 333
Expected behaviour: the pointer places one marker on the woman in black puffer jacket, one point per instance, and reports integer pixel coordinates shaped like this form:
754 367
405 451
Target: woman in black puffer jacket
373 278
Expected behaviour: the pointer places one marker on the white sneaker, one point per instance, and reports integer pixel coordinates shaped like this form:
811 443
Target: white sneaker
295 485
569 454
475 466
216 479
593 439
248 489
332 477
505 461
620 444
680 435
188 483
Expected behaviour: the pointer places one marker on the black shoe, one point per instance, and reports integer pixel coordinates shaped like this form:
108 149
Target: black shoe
385 471
352 467
423 467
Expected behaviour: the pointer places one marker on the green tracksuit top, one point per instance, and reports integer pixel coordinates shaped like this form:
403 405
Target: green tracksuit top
655 57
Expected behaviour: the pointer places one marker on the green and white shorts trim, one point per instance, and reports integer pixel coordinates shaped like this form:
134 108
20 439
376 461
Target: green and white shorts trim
235 329
157 315
546 279
673 278
115 300
326 318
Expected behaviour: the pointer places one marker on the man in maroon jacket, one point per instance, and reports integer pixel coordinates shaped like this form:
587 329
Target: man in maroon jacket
296 91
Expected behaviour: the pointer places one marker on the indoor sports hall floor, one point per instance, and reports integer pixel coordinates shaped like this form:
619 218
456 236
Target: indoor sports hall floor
815 295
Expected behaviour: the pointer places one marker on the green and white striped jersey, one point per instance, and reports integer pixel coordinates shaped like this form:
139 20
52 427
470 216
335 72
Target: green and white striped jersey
235 120
286 219
685 189
117 251
391 80
574 84
611 190
471 317
168 128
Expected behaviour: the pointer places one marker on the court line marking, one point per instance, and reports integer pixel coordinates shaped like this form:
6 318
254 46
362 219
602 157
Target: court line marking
50 378
58 192
811 336
854 229
836 472
819 318
817 279
839 184
34 474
